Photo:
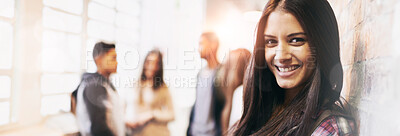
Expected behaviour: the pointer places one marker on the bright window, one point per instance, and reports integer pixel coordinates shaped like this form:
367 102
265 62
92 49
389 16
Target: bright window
61 21
66 29
7 9
5 87
101 31
108 3
55 104
4 113
61 54
59 83
102 13
6 34
72 6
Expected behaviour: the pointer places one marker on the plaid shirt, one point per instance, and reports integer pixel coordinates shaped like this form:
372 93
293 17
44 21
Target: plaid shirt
335 126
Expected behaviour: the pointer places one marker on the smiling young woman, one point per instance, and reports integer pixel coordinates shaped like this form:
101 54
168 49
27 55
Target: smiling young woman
295 76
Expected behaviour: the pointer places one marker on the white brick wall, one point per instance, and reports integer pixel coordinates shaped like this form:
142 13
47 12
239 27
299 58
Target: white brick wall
369 32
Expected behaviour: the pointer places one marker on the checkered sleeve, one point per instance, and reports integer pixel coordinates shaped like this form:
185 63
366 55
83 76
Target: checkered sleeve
327 128
335 126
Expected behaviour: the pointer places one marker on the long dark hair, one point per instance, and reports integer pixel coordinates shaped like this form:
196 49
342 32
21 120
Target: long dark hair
158 79
262 94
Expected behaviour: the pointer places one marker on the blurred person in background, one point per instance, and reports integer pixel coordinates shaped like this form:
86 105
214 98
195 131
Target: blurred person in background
205 117
151 100
295 77
99 110
230 79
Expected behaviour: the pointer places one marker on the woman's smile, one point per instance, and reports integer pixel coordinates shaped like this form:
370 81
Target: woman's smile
287 70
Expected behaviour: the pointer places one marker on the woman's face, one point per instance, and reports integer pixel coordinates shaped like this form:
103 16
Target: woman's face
151 65
287 51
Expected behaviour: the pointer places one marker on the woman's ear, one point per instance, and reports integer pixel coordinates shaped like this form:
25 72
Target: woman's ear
336 77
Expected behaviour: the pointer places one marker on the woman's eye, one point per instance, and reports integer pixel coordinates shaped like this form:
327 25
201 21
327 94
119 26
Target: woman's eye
271 42
297 41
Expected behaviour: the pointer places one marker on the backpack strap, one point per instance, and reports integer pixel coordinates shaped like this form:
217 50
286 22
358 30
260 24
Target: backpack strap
344 126
341 120
74 98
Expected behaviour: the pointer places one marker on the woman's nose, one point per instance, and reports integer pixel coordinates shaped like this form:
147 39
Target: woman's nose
283 53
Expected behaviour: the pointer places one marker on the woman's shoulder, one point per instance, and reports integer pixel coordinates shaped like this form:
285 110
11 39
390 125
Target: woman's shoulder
335 125
163 89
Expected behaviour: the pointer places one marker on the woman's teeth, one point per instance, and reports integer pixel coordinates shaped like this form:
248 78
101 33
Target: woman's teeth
287 69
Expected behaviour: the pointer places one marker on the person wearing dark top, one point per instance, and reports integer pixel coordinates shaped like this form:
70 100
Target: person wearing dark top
206 113
99 110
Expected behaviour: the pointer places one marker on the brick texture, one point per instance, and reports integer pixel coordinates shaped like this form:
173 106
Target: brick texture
370 54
